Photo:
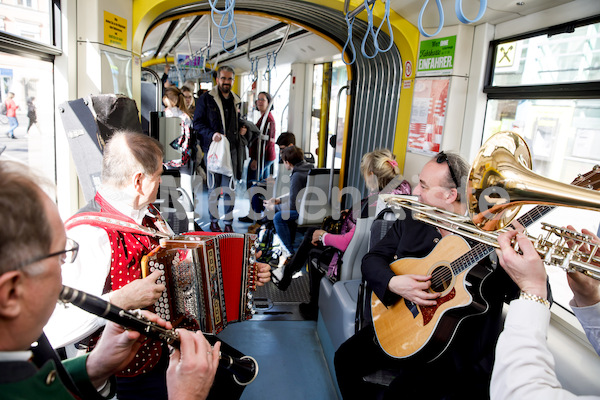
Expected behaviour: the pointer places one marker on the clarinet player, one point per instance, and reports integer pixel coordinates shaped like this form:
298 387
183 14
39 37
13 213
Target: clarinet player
33 245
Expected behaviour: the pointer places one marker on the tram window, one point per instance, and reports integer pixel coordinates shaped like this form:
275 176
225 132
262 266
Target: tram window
549 59
32 83
546 87
30 19
116 72
339 79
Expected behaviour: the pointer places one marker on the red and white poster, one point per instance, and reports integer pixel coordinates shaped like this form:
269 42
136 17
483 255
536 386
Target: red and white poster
428 115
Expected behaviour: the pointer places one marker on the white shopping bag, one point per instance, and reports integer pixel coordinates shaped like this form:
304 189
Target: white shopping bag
218 159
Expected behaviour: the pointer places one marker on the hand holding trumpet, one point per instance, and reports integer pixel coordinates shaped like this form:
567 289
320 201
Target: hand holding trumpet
527 270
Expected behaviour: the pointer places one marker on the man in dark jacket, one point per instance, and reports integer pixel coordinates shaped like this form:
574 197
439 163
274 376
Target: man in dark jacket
463 370
285 207
216 117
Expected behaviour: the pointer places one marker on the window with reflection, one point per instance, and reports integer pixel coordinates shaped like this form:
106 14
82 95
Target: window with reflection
550 58
29 19
27 133
546 87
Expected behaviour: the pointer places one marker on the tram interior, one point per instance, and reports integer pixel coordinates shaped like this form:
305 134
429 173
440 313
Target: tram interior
338 112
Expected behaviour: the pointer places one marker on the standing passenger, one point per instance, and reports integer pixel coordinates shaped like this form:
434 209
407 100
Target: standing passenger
11 113
266 141
217 116
175 106
190 100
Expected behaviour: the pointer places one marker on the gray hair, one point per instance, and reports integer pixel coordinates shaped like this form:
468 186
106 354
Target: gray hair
129 152
26 231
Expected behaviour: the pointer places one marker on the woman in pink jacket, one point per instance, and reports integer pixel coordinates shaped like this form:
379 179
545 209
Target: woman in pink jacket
381 174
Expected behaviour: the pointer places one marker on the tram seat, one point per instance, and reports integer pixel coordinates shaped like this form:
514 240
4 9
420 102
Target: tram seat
282 181
313 203
337 301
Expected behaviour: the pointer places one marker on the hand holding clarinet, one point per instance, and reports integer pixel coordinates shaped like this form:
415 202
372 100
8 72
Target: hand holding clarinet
193 356
191 370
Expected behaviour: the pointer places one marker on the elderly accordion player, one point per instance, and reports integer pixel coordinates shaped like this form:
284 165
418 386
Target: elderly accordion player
209 279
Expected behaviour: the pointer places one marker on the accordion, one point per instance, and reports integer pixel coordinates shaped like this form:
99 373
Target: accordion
208 279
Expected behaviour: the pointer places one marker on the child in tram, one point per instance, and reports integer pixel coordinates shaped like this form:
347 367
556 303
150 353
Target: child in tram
382 175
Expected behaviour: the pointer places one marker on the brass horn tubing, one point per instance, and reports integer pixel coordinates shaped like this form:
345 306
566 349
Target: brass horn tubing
447 220
503 167
543 245
526 187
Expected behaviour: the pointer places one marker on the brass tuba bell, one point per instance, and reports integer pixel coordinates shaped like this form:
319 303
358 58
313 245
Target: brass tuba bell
501 181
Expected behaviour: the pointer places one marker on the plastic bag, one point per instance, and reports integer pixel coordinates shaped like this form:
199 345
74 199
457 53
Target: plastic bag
218 158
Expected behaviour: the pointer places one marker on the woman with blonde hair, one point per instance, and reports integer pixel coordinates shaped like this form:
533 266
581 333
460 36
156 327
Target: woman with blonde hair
382 175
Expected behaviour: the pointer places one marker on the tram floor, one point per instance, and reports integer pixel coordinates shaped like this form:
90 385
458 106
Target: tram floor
290 359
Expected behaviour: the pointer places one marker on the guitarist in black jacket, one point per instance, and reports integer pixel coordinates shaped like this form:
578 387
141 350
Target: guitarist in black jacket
463 369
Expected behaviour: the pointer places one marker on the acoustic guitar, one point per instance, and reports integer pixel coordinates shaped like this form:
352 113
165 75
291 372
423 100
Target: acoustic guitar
406 329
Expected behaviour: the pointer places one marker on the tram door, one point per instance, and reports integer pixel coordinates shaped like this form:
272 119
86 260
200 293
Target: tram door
328 113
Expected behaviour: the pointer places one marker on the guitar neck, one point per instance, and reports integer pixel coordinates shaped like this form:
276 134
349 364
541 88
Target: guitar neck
534 214
482 250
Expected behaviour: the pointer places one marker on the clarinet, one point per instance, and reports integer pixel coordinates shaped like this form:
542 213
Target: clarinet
243 369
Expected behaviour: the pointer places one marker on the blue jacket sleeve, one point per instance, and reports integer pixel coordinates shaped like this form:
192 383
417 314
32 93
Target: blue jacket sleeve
204 122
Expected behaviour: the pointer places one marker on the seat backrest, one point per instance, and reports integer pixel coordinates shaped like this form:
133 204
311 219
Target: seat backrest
381 225
313 205
282 181
169 129
357 248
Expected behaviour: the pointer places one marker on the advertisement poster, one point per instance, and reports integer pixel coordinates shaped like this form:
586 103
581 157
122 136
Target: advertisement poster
428 115
436 56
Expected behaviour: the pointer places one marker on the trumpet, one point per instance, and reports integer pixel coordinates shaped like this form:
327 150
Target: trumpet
559 247
501 177
243 369
501 181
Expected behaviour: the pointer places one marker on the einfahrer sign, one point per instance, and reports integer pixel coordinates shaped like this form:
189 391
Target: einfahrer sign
436 56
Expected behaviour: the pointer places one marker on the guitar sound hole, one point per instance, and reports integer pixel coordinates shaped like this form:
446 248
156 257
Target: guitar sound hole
441 278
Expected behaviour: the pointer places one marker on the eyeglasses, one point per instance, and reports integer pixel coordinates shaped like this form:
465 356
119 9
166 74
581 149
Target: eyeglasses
443 157
69 254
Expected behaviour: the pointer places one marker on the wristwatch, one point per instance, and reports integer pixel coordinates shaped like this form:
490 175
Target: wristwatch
533 297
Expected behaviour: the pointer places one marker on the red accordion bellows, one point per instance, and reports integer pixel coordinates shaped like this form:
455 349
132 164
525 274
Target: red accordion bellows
208 278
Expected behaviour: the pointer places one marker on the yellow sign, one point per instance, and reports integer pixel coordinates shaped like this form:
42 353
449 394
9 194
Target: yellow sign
505 56
115 30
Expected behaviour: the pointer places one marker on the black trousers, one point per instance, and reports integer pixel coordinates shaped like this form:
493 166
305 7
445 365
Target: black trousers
301 255
305 252
361 355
